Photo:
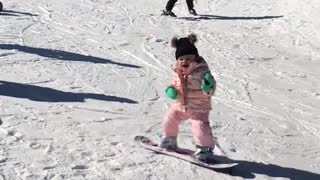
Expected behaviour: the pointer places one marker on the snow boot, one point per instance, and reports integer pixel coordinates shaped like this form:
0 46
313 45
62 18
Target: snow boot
168 13
203 154
193 12
169 144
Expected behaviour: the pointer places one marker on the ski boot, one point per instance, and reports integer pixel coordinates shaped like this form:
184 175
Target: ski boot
1 6
203 154
168 13
193 12
169 143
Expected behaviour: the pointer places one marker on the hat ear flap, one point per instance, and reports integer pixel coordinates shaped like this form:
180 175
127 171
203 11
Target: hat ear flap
174 42
192 38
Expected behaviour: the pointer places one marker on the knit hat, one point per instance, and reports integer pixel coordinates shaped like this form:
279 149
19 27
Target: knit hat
185 46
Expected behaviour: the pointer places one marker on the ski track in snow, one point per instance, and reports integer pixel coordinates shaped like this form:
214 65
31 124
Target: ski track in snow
103 54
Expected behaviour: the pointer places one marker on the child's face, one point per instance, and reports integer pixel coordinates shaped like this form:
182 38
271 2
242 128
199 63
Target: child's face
185 61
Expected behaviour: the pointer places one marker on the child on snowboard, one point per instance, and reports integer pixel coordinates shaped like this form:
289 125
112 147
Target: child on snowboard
170 5
191 89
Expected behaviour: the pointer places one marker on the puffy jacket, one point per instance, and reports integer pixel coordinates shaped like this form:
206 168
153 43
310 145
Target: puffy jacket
191 97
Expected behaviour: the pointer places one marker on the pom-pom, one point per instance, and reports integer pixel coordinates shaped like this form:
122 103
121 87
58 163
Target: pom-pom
192 38
174 42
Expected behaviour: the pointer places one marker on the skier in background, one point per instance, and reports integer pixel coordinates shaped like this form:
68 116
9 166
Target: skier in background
170 5
1 6
191 89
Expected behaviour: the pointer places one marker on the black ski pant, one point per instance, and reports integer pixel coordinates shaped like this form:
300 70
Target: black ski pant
171 3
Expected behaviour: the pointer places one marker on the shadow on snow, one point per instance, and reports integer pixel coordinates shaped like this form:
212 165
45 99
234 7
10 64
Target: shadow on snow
15 13
62 55
248 169
215 17
44 94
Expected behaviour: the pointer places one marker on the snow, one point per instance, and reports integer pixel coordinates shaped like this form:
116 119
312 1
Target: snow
80 78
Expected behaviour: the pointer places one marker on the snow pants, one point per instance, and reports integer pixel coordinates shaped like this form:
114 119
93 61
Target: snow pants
171 3
200 126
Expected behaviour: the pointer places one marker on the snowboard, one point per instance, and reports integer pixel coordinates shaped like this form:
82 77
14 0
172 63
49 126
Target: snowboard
182 154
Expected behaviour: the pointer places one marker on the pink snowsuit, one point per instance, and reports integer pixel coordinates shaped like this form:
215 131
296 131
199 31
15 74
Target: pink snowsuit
192 103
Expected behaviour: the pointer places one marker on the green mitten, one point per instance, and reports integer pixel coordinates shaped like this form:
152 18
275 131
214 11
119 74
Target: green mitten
207 83
172 93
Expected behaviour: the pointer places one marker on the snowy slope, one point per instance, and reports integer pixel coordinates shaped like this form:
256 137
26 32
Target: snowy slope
80 78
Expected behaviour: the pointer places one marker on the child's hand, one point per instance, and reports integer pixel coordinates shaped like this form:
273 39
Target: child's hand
172 93
207 83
